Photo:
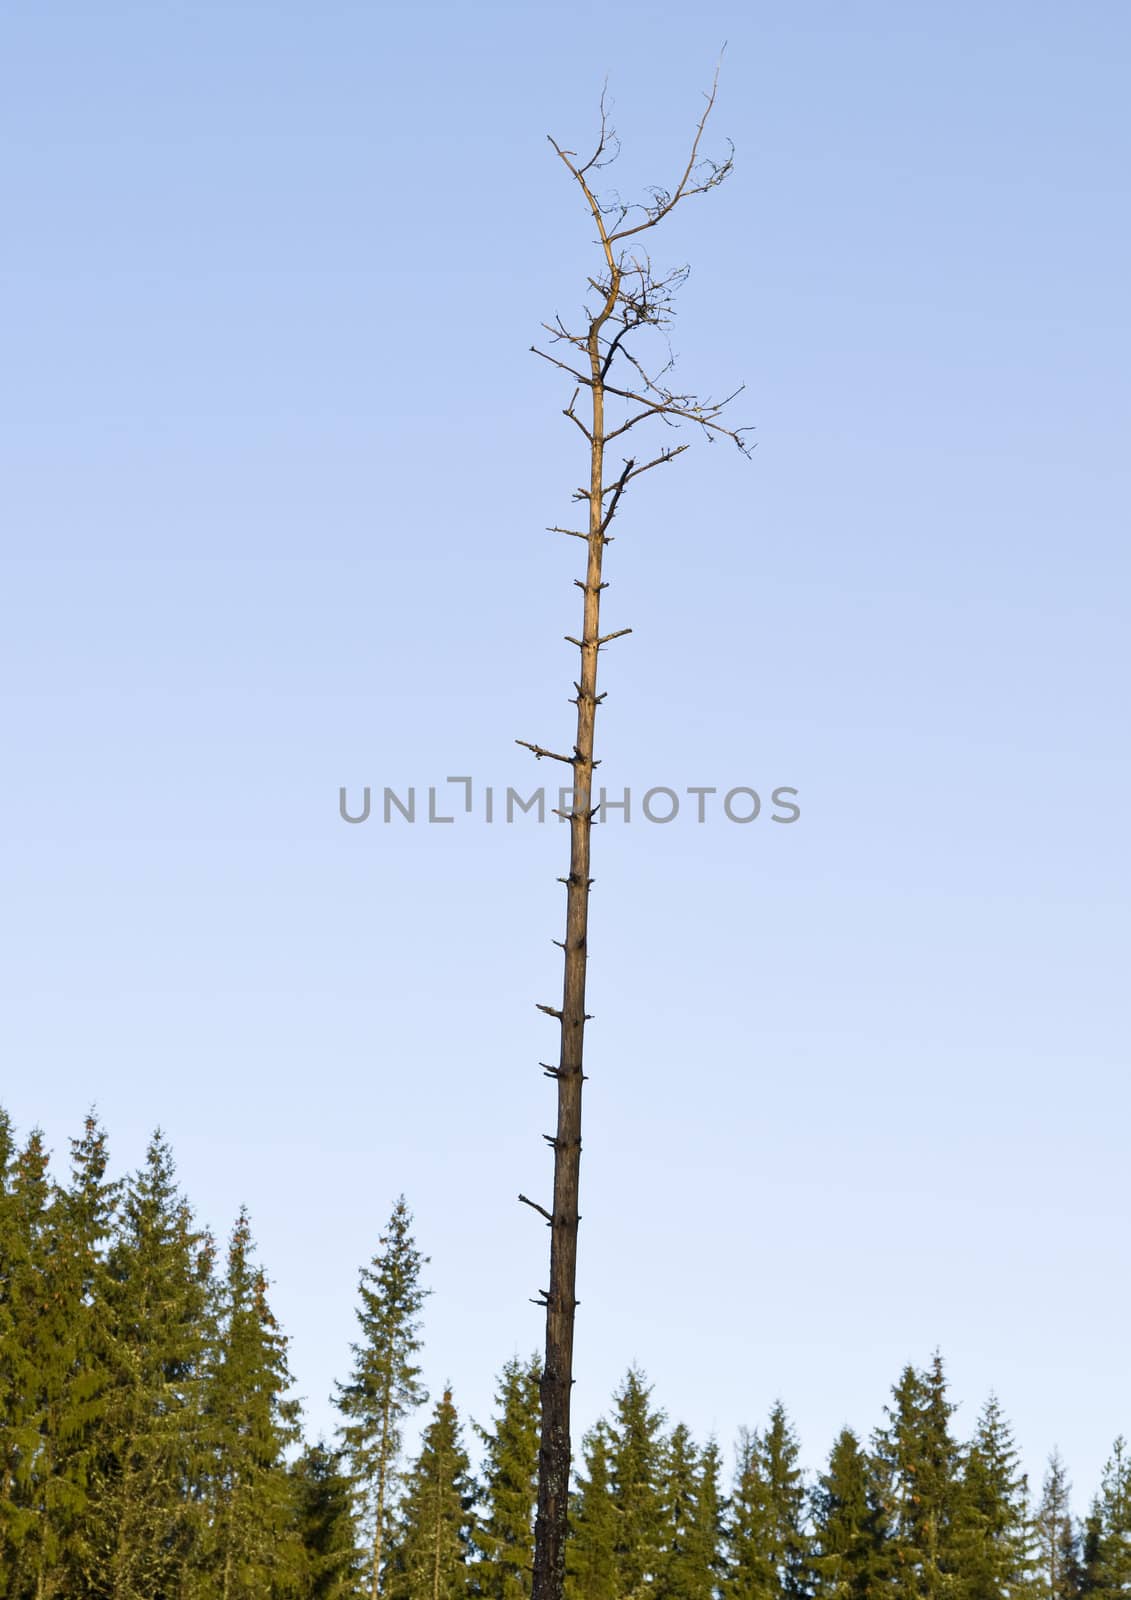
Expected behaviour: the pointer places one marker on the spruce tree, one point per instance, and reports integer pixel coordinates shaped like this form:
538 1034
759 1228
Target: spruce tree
11 1251
1108 1569
635 1455
27 1363
591 1572
993 1539
384 1386
1090 1533
323 1501
711 1513
750 1570
145 1510
1057 1574
427 1550
74 1338
848 1553
781 1454
690 1545
251 1546
768 1540
504 1533
915 1459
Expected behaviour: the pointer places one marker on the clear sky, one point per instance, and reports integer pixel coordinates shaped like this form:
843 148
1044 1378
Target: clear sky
276 468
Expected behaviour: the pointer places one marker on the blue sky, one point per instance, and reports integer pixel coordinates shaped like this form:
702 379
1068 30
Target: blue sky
277 463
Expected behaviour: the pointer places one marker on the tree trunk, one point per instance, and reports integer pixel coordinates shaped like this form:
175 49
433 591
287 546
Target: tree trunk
630 298
382 1474
557 1375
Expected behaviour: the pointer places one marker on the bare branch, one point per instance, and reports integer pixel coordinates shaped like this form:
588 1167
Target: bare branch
580 376
652 384
641 416
534 1206
614 346
561 334
704 413
658 461
684 408
632 471
665 202
568 411
540 752
608 136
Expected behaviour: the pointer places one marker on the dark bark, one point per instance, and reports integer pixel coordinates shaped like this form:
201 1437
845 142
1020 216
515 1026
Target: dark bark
629 298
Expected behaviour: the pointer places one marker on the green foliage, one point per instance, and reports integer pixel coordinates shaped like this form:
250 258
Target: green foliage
27 1365
1107 1571
689 1563
768 1545
848 1558
711 1513
591 1572
635 1455
150 1449
429 1545
1090 1531
250 1537
750 1570
384 1386
916 1462
145 1525
646 1515
504 1534
323 1501
993 1538
1057 1569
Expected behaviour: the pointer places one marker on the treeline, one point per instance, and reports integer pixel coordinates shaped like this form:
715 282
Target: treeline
150 1448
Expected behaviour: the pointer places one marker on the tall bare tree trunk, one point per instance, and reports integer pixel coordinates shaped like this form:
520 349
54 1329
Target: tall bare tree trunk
557 1377
629 299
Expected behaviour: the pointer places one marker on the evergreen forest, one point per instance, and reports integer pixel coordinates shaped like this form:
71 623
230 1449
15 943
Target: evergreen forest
151 1448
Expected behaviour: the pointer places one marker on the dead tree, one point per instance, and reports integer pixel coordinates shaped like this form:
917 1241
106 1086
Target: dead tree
626 386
